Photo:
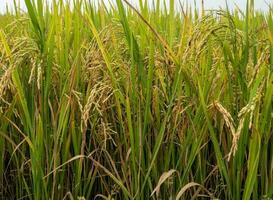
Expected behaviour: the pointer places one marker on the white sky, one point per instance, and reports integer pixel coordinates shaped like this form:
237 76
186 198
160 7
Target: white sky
209 4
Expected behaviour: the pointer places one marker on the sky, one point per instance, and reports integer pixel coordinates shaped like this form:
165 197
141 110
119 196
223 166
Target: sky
209 4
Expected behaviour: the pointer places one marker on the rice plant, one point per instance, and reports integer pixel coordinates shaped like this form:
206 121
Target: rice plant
113 101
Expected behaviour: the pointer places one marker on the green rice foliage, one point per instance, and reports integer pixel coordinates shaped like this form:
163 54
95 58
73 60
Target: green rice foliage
112 101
